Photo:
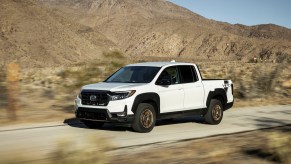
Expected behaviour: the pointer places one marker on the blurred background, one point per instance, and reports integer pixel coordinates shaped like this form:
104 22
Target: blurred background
50 48
47 94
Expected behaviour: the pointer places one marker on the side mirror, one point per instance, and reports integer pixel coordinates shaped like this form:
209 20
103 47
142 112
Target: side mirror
166 80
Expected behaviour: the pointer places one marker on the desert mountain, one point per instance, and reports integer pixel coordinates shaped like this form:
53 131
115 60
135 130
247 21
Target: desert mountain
58 32
36 36
160 28
263 31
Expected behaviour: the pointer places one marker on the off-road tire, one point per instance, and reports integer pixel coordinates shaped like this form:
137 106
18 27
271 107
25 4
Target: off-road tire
144 118
93 124
214 112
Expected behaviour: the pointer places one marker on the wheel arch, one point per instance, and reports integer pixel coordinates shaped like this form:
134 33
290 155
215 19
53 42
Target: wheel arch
150 98
218 94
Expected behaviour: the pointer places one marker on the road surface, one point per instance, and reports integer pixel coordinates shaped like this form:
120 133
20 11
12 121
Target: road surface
42 139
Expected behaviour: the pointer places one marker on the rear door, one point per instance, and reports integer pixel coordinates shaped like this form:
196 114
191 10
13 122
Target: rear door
171 96
193 88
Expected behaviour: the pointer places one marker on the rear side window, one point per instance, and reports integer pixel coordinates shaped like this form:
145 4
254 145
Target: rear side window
194 73
187 74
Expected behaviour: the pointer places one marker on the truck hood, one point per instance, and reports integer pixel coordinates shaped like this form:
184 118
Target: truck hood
112 86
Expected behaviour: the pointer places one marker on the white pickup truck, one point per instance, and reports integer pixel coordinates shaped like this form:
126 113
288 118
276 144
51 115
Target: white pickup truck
139 94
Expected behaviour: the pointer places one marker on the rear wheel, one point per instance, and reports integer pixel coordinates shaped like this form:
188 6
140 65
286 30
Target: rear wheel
93 124
145 118
214 113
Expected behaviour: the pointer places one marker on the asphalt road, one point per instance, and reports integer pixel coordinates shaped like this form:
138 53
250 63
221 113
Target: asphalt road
41 139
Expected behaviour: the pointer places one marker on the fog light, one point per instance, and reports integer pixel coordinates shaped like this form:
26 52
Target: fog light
124 113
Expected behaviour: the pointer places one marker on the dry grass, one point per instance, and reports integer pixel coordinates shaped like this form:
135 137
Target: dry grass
87 149
114 55
278 147
254 83
92 149
95 71
48 93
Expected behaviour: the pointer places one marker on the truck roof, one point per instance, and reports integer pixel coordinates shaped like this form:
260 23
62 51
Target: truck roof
159 64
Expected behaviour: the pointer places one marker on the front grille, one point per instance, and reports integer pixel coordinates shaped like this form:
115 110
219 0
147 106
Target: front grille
95 98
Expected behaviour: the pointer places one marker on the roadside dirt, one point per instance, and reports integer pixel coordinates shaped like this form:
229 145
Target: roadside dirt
261 146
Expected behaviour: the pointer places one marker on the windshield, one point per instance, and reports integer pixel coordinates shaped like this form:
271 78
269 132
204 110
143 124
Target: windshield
134 74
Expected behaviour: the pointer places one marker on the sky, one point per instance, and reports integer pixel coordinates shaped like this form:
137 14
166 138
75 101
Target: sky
247 12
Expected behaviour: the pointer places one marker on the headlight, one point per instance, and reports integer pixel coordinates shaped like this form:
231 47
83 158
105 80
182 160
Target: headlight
121 95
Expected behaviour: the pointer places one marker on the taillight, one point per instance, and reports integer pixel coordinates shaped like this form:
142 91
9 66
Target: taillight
232 89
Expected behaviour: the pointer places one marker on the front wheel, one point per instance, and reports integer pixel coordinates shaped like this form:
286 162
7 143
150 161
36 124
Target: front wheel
93 124
214 113
145 118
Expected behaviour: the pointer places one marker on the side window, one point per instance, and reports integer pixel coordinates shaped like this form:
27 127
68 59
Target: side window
194 73
171 72
186 74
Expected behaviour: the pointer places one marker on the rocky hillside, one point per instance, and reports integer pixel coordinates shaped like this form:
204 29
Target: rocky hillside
36 36
160 28
60 32
263 31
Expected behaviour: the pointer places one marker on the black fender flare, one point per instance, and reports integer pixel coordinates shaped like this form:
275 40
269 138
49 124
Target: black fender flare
219 92
146 97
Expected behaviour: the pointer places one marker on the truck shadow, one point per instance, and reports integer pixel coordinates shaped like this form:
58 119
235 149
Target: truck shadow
193 119
76 123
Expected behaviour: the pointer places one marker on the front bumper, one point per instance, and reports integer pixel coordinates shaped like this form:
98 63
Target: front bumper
103 115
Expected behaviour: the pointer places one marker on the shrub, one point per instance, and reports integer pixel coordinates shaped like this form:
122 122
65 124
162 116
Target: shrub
114 54
92 72
265 54
279 147
74 79
281 57
117 64
263 80
91 150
